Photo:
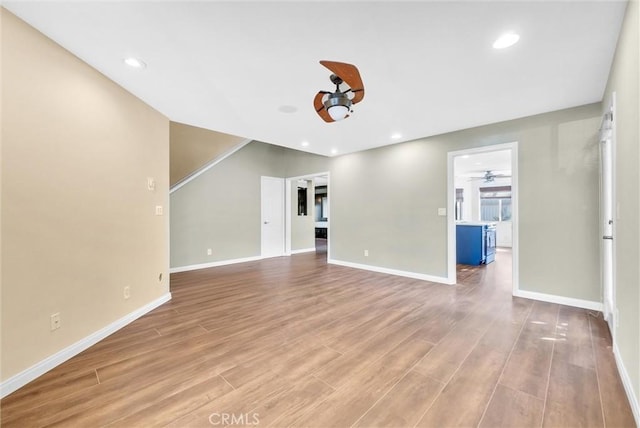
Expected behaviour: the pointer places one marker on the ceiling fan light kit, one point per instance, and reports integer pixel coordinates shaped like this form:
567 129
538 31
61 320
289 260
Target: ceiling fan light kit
336 106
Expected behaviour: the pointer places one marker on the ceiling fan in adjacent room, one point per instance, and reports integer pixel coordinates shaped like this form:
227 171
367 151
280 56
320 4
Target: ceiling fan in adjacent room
490 176
335 106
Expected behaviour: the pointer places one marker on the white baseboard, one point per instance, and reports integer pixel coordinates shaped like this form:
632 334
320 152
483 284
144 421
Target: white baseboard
628 386
304 250
19 380
213 264
414 275
561 300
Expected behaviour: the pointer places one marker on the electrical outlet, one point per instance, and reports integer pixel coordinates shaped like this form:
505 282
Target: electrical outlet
209 251
127 292
55 321
366 253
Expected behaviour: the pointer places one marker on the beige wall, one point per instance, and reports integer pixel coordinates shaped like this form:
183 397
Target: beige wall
302 227
78 221
385 200
193 148
297 163
624 81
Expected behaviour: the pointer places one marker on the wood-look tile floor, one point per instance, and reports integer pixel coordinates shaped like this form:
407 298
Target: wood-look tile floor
296 342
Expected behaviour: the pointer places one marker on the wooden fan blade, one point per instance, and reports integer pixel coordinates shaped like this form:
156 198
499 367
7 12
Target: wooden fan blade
357 96
350 75
322 112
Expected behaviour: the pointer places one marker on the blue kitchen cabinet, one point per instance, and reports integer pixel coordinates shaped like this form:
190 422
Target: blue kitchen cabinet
475 244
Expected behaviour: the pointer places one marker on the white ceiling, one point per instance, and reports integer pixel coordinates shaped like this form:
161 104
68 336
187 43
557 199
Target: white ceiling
428 67
475 165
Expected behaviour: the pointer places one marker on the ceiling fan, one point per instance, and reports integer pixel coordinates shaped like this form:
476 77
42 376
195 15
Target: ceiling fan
489 176
335 106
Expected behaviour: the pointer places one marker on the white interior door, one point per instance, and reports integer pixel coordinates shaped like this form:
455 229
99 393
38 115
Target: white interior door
272 216
606 219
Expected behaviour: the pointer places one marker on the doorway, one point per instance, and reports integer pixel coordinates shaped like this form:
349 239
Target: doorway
483 195
321 213
272 217
313 232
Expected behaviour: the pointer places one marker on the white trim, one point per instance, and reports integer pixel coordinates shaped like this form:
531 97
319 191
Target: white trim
561 300
614 203
208 166
628 385
287 217
414 275
19 380
303 250
451 223
213 264
515 219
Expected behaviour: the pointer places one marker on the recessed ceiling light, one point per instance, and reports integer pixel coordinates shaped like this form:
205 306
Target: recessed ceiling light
334 151
396 136
305 144
135 62
506 40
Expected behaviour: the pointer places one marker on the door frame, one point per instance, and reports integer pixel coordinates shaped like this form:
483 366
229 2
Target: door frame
613 319
288 207
451 223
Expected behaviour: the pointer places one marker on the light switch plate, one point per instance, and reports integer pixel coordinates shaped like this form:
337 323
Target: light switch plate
159 210
442 212
55 321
